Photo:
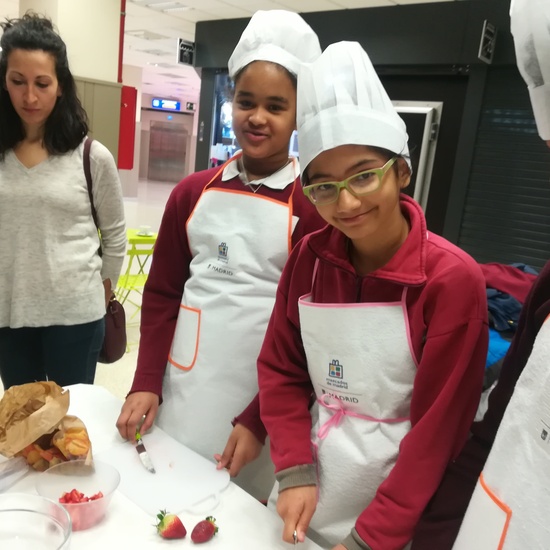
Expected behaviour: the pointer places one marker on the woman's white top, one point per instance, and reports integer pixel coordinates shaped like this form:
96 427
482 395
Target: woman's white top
50 270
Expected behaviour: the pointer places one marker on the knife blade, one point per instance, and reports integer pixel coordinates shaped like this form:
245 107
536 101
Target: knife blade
142 452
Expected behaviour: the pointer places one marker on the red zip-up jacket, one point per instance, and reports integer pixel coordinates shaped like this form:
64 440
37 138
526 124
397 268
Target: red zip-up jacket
447 314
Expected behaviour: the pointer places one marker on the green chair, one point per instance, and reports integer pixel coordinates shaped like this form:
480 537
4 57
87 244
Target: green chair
131 283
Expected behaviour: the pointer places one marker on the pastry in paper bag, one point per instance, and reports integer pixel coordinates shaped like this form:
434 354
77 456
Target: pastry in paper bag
34 424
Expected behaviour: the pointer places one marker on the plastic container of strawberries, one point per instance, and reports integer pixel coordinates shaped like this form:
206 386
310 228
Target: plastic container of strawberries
86 478
32 521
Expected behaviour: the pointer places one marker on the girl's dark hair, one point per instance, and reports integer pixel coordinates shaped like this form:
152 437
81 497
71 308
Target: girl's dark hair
67 124
232 83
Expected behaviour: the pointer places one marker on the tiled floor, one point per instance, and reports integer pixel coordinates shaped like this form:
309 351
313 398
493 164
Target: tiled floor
147 209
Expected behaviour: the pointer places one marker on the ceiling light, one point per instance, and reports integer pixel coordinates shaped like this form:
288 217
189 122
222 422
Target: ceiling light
156 52
145 34
162 5
180 8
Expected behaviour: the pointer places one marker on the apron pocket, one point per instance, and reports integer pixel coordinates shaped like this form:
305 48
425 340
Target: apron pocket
185 345
486 521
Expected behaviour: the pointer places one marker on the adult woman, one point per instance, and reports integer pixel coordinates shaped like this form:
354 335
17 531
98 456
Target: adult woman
54 287
222 245
384 322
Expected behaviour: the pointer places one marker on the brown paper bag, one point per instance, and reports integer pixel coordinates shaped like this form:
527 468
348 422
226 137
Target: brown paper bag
34 424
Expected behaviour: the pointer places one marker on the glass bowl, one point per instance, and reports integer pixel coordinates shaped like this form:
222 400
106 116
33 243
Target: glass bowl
32 522
85 478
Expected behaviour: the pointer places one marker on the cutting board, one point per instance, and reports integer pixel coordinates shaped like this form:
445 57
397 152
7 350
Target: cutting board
184 480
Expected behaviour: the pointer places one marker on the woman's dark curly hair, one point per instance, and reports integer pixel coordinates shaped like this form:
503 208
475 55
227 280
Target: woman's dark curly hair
67 124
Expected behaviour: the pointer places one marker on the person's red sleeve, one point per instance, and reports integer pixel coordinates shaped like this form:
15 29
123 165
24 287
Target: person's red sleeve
441 520
309 220
445 398
285 386
250 418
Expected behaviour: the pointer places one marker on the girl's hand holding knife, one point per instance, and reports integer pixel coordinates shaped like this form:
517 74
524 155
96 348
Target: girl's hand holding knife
296 507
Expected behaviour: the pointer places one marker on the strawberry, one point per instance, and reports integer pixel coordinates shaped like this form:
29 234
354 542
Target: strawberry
170 526
204 530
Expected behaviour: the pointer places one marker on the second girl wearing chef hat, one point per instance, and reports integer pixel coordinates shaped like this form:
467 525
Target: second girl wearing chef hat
385 322
224 239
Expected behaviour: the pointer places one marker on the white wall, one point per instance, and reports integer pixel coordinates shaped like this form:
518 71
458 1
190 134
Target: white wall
93 41
131 76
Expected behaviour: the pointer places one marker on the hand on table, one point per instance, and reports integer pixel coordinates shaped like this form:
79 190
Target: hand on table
136 406
296 507
241 448
339 547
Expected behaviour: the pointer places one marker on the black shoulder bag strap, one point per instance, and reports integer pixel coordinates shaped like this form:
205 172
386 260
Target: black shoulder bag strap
88 174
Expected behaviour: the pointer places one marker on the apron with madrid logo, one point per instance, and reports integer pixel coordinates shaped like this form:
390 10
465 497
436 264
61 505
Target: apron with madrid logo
239 242
362 370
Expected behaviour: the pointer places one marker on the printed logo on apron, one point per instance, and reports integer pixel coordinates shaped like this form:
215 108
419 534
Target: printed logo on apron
362 370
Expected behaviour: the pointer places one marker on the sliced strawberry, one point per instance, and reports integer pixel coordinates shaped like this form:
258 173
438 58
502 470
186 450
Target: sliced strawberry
75 496
170 526
204 530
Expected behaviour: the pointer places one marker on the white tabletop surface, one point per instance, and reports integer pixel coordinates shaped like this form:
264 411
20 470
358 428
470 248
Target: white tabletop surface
244 523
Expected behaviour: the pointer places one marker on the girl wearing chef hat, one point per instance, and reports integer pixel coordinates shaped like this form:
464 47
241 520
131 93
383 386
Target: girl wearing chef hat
385 322
224 239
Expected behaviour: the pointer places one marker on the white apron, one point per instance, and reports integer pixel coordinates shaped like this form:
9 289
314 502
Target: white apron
239 242
362 370
510 506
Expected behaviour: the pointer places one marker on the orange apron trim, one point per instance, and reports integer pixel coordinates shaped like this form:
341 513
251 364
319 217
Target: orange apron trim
189 367
290 200
291 206
244 193
222 167
506 509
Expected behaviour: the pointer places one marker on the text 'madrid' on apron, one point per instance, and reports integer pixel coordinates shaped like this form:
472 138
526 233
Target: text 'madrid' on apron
362 369
239 242
511 502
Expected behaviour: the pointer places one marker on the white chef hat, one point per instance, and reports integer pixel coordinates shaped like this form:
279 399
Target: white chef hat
279 36
530 26
341 101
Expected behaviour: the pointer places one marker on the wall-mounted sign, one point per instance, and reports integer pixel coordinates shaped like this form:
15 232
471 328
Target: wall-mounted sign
190 106
165 104
487 42
186 52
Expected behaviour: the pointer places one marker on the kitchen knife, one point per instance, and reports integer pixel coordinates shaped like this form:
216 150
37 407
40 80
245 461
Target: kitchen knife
142 452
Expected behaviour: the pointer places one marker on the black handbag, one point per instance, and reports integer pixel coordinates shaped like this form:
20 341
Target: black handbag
114 342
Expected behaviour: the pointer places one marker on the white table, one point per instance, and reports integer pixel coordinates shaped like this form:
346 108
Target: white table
244 523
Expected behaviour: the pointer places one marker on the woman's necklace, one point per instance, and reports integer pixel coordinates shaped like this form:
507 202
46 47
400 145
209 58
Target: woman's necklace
244 176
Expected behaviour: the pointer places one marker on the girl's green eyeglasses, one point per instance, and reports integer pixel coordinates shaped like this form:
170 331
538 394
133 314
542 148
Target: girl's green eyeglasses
360 184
